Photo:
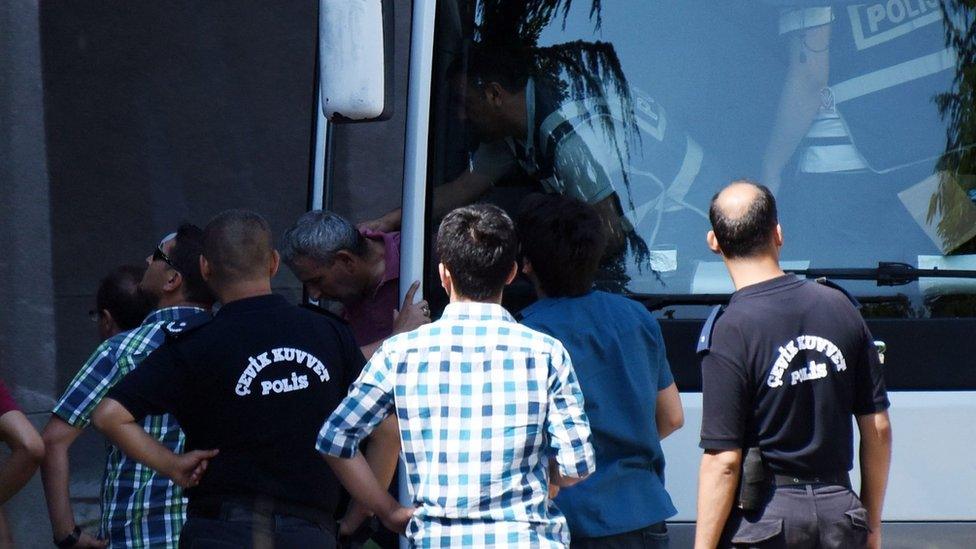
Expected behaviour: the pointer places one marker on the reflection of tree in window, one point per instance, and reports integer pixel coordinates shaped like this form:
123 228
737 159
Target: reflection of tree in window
957 186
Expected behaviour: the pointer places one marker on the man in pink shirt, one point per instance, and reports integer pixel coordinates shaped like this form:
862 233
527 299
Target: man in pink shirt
360 270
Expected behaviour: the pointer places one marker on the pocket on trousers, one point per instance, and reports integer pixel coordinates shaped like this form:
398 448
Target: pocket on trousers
859 519
762 533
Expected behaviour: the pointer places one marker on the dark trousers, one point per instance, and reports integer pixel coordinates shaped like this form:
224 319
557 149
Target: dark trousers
654 536
239 526
802 517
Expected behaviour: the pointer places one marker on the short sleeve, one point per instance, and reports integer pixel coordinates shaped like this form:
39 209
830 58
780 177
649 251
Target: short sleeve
369 401
156 387
493 160
7 403
726 403
566 421
794 19
97 375
870 395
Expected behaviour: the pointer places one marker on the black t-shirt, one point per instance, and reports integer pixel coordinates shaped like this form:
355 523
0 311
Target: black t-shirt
788 364
257 382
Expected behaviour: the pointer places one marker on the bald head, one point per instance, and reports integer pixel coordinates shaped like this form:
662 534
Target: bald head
743 217
238 247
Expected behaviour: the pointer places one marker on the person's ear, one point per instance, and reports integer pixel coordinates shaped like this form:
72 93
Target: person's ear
778 236
105 320
346 259
174 282
713 243
493 94
275 263
512 273
445 276
205 269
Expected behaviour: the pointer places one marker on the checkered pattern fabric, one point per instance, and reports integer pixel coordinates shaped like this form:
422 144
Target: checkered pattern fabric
139 507
483 405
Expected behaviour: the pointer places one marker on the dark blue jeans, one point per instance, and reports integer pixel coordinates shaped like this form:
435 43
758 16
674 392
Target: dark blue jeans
241 527
654 536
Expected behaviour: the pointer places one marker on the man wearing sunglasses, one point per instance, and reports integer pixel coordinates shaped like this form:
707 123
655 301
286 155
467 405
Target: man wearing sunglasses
140 508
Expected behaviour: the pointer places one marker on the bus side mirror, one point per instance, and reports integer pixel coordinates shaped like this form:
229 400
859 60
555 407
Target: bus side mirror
356 59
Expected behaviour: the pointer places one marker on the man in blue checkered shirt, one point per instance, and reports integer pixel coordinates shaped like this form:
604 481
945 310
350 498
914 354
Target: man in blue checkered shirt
140 508
490 413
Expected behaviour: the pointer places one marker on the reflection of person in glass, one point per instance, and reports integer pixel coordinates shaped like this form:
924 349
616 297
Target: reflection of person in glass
572 122
857 117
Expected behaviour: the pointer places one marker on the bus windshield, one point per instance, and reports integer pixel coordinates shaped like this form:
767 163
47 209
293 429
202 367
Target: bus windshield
858 116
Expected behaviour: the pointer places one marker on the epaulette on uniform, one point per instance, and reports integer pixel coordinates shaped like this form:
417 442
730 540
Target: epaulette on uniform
705 339
179 328
323 311
831 284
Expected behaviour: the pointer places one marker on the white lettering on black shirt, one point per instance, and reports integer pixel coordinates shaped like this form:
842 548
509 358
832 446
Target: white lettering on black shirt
289 355
813 370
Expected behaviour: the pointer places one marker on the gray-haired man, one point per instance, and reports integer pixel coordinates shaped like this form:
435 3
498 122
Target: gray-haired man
335 261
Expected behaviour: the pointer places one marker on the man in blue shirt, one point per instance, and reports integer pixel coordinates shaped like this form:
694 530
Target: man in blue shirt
618 353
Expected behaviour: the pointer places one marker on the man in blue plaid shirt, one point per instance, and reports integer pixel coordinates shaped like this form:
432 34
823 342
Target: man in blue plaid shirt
490 411
140 508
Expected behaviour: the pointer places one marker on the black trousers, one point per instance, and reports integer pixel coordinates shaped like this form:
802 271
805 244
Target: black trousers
654 536
243 527
810 516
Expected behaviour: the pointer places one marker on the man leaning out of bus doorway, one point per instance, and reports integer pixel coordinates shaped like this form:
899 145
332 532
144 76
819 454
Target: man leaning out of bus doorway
619 356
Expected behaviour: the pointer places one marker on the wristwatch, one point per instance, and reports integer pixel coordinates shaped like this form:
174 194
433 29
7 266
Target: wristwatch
71 539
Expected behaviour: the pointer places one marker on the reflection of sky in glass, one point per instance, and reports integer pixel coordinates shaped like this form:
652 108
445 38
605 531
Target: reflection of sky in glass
717 69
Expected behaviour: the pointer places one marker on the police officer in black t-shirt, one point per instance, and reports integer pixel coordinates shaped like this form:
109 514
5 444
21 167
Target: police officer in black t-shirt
250 387
784 368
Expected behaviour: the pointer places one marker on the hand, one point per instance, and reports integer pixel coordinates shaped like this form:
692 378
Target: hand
396 520
188 468
384 224
411 315
88 540
874 538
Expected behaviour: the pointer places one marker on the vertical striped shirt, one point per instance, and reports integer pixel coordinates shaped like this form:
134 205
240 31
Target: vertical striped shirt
483 404
140 508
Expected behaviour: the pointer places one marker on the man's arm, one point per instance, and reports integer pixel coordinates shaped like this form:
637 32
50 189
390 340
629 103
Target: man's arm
718 478
119 426
465 189
26 453
806 76
668 413
381 456
875 457
356 476
567 424
58 437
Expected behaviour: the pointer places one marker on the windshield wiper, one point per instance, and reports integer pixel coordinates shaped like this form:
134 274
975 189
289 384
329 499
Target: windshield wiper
888 273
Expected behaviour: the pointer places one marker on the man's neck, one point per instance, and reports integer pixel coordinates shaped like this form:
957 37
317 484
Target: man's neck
753 270
167 301
375 262
457 298
243 290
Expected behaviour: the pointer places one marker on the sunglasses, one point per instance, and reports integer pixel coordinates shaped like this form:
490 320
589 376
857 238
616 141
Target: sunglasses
159 254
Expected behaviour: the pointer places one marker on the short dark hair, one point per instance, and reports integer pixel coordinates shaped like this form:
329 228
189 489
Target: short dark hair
187 247
509 66
238 246
478 245
749 233
564 239
119 294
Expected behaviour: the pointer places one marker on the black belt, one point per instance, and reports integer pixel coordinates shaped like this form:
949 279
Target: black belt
217 507
841 479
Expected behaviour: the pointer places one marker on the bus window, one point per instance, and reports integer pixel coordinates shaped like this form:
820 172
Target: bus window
851 113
